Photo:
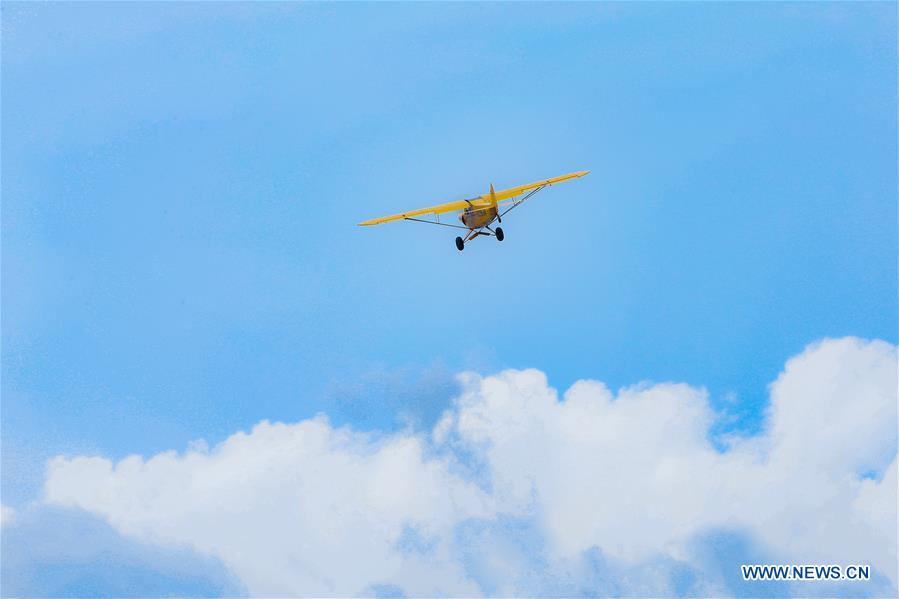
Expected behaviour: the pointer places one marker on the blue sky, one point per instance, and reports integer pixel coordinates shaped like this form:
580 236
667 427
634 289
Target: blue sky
181 184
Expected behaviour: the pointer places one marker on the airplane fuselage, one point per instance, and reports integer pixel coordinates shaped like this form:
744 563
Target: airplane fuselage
475 218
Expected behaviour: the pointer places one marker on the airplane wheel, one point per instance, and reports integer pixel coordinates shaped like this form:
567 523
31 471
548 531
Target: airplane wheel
460 245
499 234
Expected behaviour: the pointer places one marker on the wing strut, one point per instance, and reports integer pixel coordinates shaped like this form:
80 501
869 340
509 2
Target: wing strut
521 201
431 222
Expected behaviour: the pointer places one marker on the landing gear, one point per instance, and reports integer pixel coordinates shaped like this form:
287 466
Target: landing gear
499 234
460 245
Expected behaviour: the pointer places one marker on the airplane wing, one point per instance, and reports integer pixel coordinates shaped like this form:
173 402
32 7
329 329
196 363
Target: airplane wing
504 194
438 209
508 194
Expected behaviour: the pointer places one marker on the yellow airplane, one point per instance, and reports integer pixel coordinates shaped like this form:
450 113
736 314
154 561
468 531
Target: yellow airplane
478 213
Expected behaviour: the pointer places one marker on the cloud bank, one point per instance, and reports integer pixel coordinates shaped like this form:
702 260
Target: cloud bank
519 491
58 552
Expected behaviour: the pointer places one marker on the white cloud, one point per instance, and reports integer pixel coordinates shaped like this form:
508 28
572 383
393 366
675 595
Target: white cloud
6 514
49 551
302 508
315 510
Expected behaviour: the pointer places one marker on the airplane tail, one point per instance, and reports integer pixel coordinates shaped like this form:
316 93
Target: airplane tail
494 203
